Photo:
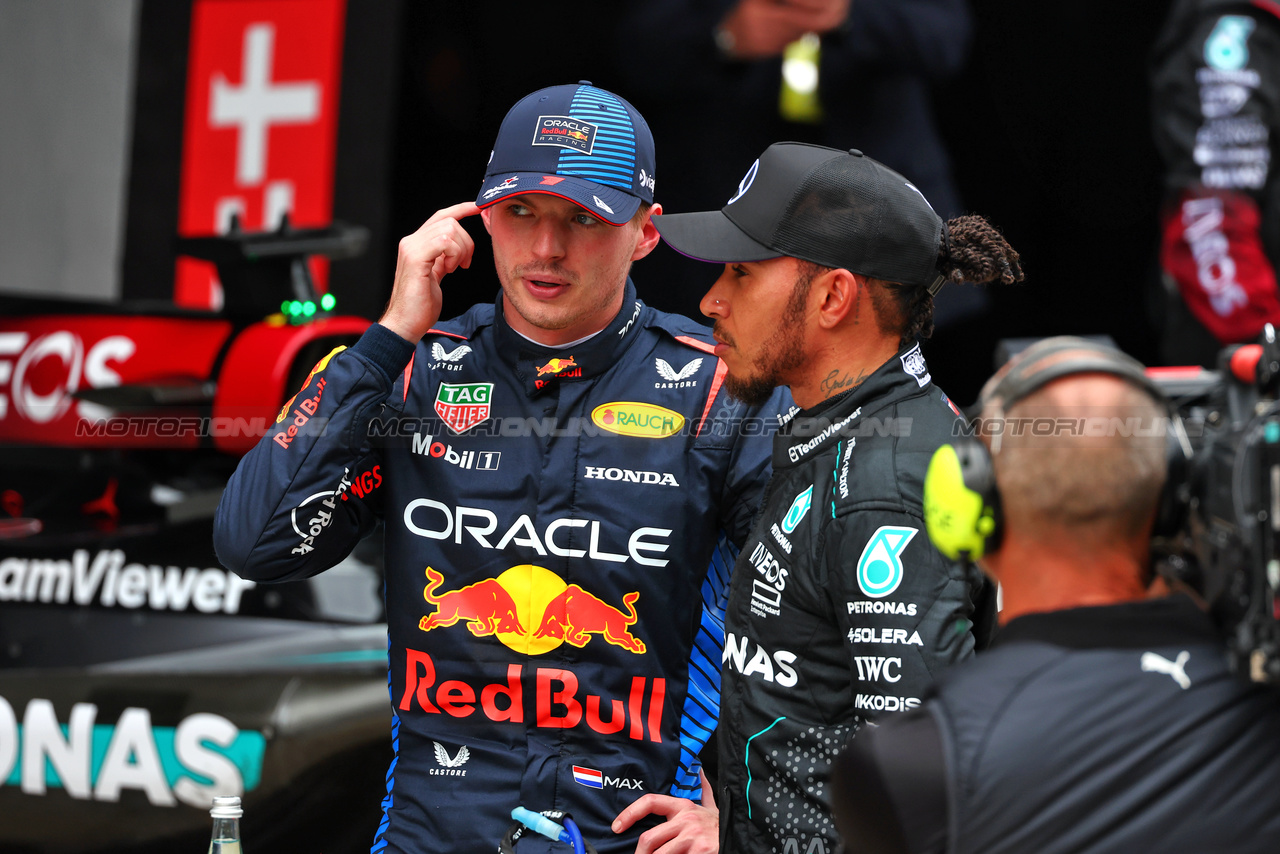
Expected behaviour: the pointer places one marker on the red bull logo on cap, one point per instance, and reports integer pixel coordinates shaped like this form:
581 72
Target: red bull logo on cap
565 132
532 611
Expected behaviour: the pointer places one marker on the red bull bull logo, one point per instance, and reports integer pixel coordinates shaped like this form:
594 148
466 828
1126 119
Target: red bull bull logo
530 596
555 366
486 606
575 615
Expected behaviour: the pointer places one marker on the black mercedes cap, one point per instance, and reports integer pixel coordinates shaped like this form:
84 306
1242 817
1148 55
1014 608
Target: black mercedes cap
831 207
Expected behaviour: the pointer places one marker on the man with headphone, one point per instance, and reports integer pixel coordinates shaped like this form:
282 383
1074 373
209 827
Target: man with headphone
1103 718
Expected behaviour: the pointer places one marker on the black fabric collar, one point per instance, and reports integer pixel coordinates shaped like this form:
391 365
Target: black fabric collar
808 431
542 368
1169 620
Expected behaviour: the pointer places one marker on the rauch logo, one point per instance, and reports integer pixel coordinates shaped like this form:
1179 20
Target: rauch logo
645 420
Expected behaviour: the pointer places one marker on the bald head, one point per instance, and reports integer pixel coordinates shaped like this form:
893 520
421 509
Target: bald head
1083 456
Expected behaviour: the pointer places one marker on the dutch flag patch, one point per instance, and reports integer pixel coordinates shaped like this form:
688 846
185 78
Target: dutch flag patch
588 777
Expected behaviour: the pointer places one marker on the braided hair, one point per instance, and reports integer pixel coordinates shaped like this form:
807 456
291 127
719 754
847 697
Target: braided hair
971 251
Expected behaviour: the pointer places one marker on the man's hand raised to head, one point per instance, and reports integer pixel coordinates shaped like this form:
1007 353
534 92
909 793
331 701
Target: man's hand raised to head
432 252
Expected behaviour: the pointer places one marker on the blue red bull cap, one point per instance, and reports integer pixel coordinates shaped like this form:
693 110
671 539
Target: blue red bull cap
579 142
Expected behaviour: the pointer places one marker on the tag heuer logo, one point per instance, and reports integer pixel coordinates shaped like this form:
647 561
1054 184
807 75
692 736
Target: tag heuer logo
463 405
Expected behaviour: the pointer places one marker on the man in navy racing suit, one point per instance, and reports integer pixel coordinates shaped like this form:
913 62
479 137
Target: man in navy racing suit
557 472
839 610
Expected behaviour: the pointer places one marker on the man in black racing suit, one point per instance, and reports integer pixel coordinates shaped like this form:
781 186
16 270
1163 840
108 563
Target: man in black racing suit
557 473
1104 718
839 610
1216 117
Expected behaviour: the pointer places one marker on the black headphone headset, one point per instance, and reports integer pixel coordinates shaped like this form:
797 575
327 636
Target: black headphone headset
961 499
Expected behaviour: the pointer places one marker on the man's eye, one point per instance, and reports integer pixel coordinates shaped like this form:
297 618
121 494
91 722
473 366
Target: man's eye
738 270
517 210
585 219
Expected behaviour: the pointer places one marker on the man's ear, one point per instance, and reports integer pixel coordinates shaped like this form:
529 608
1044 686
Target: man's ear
837 293
649 236
485 214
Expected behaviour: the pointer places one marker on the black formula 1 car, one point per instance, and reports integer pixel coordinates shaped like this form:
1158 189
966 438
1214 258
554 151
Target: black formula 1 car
138 678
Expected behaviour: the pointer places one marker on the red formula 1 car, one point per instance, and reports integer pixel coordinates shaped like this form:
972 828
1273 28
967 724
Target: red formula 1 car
138 679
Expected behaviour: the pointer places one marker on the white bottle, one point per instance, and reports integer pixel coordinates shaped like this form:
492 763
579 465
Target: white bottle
226 814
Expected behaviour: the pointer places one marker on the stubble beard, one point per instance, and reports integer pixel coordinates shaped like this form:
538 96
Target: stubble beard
553 317
533 311
780 355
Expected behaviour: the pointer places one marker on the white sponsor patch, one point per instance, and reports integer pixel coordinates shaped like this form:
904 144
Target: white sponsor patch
913 363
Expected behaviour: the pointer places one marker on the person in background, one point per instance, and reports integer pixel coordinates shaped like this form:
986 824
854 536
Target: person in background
1216 118
737 75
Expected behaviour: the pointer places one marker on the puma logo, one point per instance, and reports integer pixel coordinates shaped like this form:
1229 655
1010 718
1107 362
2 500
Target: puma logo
1152 663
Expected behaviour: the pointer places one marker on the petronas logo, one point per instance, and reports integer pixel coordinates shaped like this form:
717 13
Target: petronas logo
799 507
880 567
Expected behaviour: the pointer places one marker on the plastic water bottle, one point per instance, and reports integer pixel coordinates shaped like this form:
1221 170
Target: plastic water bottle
226 814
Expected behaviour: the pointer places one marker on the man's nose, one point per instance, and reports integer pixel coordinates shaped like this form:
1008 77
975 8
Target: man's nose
712 303
549 241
